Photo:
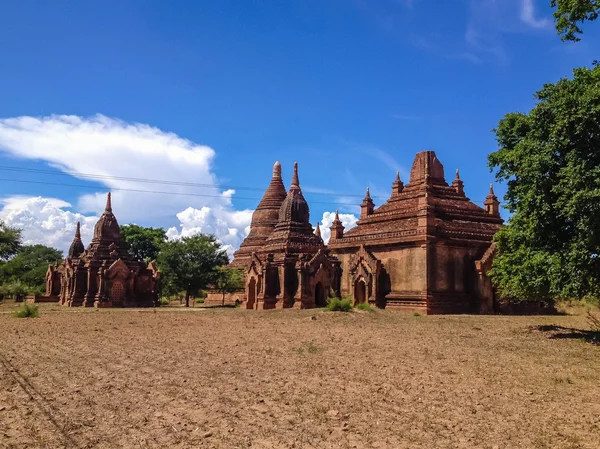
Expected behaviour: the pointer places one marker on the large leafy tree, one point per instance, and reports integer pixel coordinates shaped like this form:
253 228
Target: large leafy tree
143 243
550 159
29 266
192 263
570 14
10 241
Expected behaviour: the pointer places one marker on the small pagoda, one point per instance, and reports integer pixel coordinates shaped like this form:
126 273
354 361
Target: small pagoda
104 275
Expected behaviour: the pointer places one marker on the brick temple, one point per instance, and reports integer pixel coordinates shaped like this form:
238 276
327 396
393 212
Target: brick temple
103 275
427 248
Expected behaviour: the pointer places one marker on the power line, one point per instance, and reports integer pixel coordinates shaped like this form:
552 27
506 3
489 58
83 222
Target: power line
80 186
172 183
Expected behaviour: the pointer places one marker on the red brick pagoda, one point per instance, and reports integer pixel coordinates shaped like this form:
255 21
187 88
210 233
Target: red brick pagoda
426 249
285 260
104 275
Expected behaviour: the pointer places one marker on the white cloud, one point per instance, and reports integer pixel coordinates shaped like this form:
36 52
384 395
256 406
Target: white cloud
348 220
527 15
113 150
231 227
44 221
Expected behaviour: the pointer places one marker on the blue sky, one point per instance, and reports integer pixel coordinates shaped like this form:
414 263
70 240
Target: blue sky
350 89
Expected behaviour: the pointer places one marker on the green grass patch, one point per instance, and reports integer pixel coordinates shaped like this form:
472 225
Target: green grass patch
26 311
365 306
417 314
339 305
199 300
163 301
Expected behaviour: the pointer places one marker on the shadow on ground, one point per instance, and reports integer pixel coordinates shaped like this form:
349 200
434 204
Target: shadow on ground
561 332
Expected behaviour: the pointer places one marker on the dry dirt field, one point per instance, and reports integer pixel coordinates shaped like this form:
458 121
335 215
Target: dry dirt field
228 378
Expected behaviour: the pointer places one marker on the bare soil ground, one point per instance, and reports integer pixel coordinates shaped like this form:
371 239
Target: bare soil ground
229 378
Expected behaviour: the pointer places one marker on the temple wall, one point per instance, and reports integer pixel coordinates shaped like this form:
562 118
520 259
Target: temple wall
453 281
406 267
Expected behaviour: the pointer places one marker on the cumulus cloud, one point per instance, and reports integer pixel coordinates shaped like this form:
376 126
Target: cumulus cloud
348 220
45 221
120 155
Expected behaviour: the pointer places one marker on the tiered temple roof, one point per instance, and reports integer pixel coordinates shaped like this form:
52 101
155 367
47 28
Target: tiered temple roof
264 219
293 232
426 207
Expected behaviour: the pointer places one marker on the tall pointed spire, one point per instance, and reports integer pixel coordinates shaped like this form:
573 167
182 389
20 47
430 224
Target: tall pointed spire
277 170
491 189
295 181
108 203
318 231
76 248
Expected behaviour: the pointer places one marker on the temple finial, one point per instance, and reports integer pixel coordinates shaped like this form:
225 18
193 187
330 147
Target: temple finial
491 189
277 170
295 181
108 203
368 195
318 230
457 174
78 231
337 215
397 176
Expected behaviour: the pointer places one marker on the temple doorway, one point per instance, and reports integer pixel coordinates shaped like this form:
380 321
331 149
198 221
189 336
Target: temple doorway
117 292
320 298
251 294
360 292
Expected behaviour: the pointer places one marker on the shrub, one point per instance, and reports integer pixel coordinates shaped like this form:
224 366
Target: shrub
199 300
365 306
164 301
339 305
26 311
416 314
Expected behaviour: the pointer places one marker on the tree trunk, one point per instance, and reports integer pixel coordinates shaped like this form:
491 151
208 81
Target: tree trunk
223 305
187 298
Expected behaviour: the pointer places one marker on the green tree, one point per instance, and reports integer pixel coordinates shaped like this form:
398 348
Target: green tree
550 159
229 280
143 243
10 241
29 266
192 263
570 13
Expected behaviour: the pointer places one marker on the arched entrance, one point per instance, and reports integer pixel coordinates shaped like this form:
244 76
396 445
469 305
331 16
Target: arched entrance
360 292
320 298
251 294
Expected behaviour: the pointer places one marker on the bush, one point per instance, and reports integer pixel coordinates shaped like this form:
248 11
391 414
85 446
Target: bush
416 314
199 300
365 306
164 301
339 305
26 311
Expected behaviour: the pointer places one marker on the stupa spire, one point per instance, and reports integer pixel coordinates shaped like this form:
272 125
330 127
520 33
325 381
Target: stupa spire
397 185
458 185
295 181
491 203
277 170
78 231
108 203
318 231
367 206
